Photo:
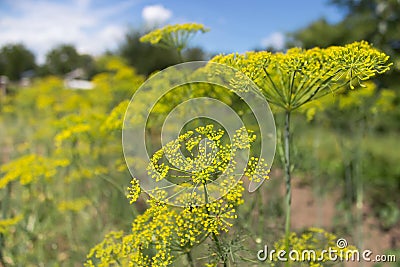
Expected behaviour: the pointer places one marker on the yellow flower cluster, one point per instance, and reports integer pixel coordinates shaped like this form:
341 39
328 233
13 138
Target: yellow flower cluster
133 191
385 101
207 161
292 79
257 170
368 98
6 224
195 223
114 85
105 251
55 179
115 119
71 132
30 168
151 234
173 36
73 205
75 175
163 232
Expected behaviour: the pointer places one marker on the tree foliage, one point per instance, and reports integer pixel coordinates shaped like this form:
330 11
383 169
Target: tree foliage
375 21
65 58
14 60
146 58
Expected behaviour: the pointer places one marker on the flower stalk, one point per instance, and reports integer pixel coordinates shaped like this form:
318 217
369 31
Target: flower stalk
291 80
288 197
190 258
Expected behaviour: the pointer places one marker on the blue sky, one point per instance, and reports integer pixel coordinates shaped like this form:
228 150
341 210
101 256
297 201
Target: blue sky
94 26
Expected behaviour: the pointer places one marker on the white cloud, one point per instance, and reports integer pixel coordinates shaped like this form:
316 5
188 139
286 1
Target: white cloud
41 25
106 38
155 15
275 40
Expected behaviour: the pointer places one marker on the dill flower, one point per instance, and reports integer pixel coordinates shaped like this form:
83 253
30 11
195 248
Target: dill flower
6 224
164 232
73 205
70 133
367 98
133 191
151 231
29 168
292 79
115 119
173 36
203 166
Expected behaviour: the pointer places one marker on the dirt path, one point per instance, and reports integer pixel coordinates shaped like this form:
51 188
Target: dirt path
308 211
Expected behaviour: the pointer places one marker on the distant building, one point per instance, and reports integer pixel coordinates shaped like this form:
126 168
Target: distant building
26 78
3 86
74 80
78 84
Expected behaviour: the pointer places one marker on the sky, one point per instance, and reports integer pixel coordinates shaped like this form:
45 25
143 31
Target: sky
95 26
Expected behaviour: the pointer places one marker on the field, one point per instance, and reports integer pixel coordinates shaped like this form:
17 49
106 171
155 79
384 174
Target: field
68 197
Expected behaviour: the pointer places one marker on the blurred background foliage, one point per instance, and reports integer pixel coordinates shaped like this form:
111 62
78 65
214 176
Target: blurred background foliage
63 177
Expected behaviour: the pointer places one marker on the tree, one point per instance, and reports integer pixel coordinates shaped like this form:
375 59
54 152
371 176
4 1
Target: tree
65 58
383 16
193 54
146 58
376 21
14 60
323 34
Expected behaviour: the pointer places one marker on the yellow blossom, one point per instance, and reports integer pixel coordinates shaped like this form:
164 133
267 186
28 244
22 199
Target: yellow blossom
133 191
29 169
173 36
7 223
73 205
293 79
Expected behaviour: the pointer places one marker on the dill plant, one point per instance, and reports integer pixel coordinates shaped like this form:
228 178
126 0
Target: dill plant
319 242
63 151
175 37
164 233
356 112
292 79
287 80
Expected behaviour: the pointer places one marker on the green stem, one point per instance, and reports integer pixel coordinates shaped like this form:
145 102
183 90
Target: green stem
360 185
359 208
5 208
190 259
288 198
217 243
180 56
214 236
